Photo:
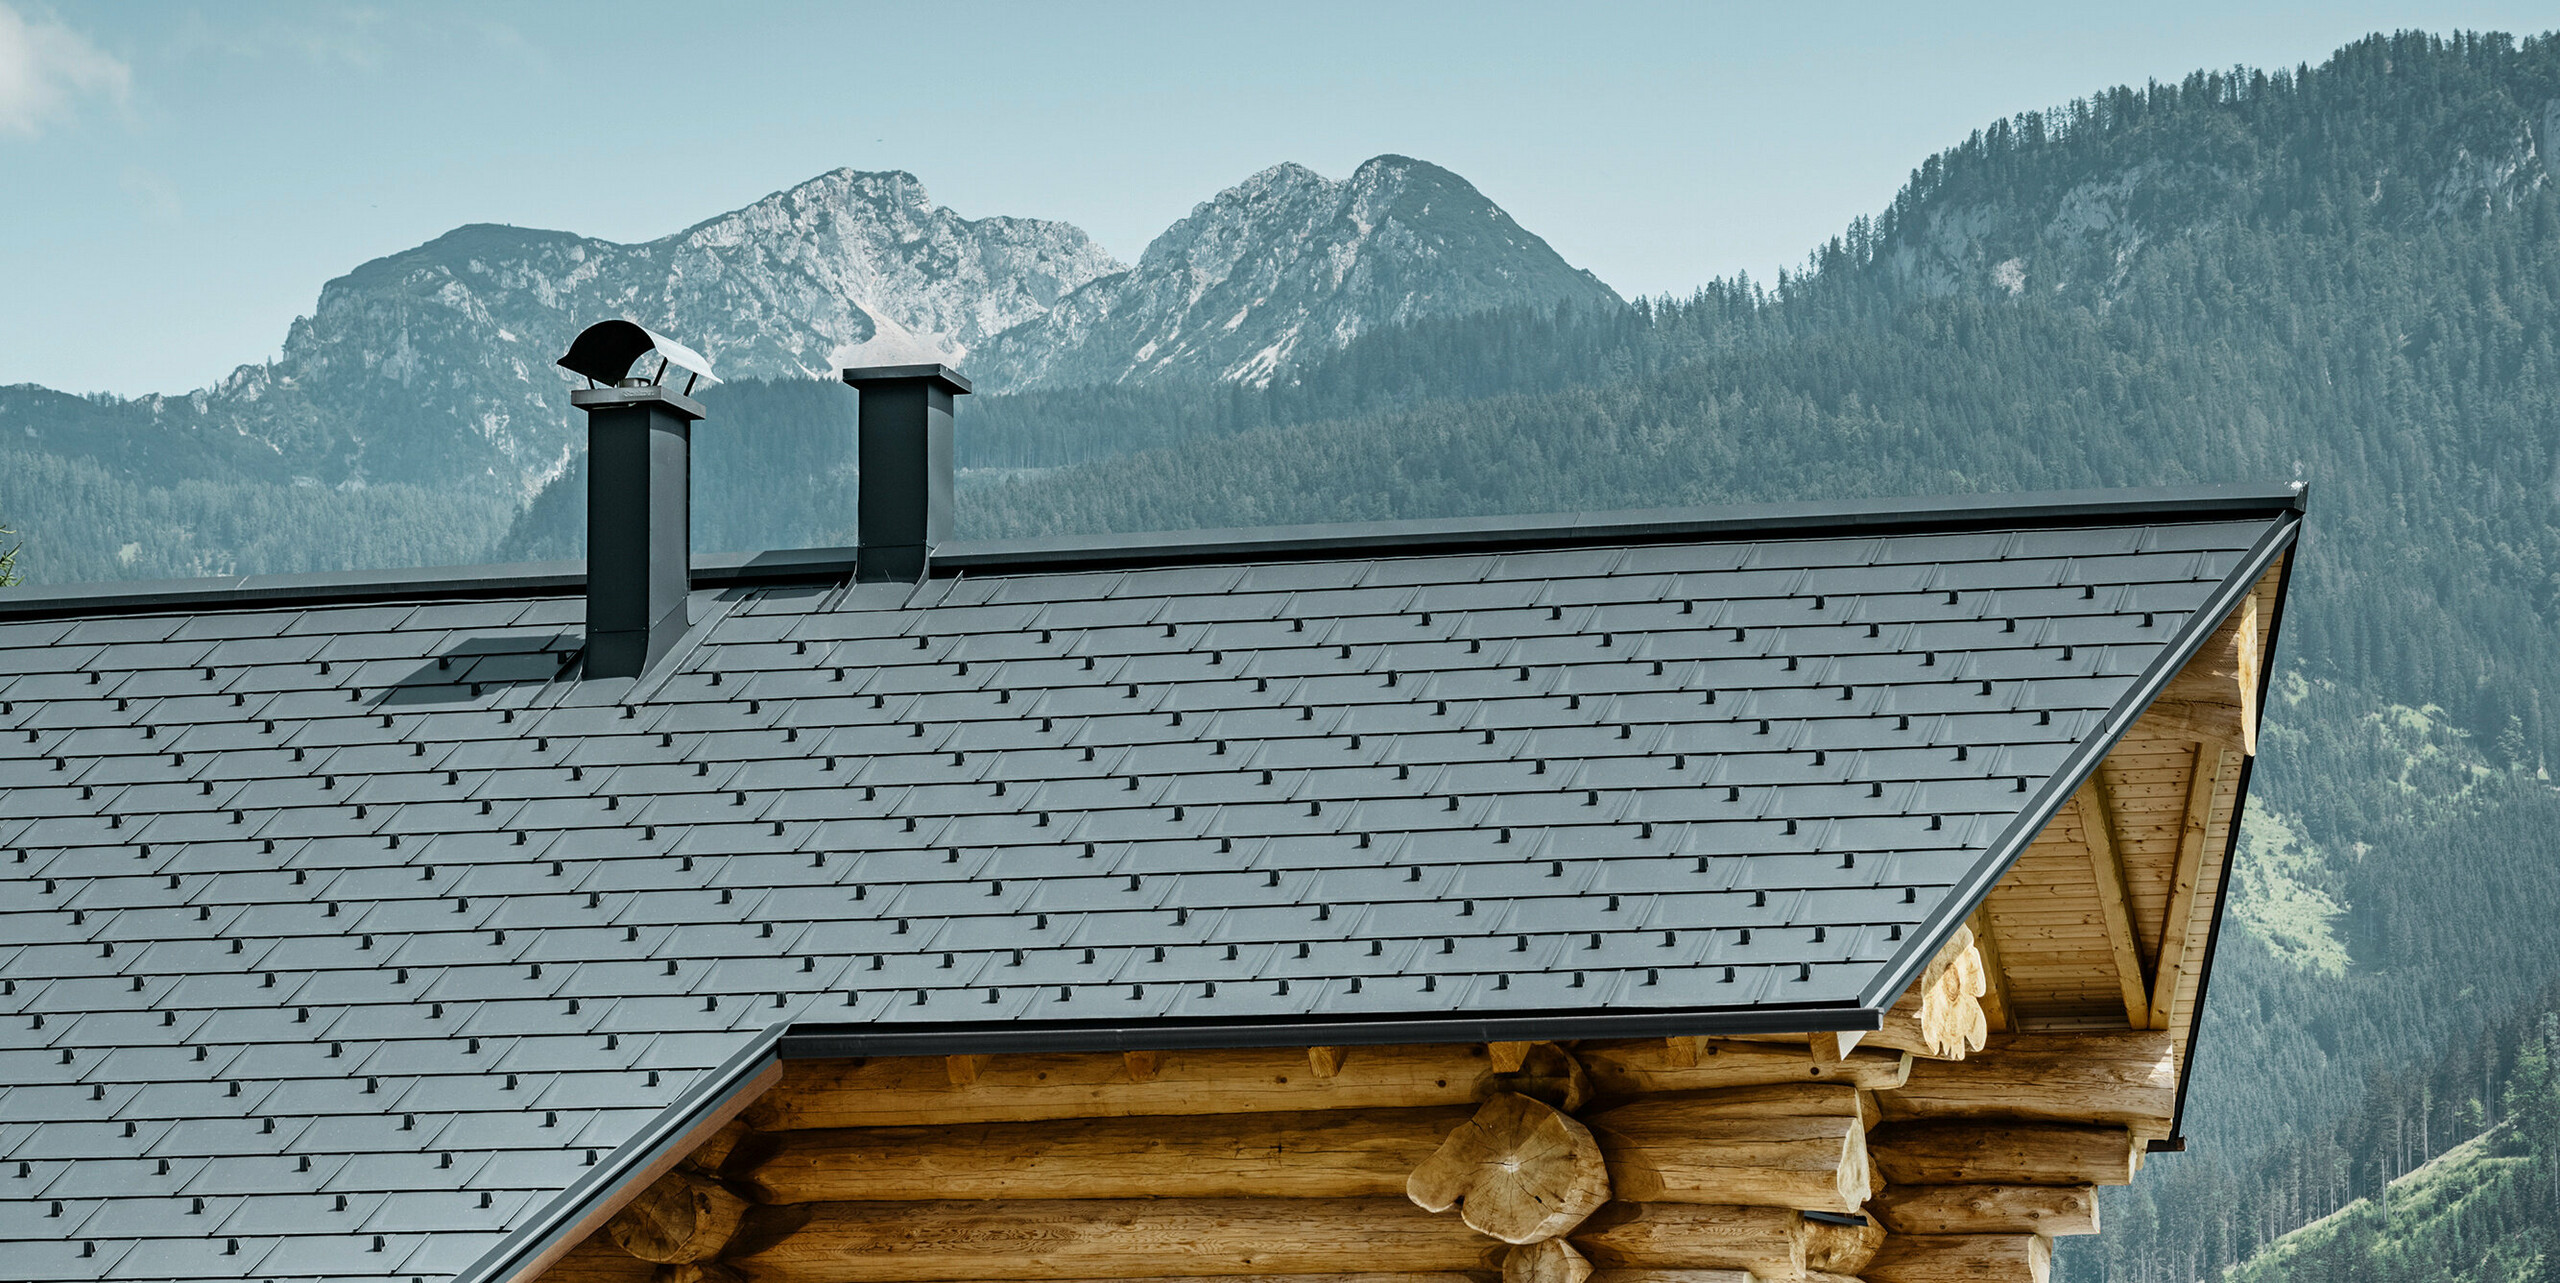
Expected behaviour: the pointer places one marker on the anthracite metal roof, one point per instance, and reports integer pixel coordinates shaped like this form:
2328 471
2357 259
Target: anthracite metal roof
346 926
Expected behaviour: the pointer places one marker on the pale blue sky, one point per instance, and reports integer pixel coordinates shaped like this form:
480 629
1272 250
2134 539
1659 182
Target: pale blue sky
178 179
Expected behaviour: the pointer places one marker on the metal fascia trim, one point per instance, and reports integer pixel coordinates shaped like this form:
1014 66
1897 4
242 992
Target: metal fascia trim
1002 1038
2177 1140
2083 761
527 1243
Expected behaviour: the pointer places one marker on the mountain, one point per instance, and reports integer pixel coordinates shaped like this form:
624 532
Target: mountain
1287 265
434 365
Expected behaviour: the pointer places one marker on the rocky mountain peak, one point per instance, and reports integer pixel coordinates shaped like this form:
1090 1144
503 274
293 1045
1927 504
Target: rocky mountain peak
433 364
461 331
1287 265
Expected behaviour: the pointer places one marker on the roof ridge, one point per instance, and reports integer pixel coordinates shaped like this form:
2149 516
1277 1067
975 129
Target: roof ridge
1415 537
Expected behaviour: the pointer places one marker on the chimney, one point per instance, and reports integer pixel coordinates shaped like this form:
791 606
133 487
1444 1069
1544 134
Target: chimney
639 494
903 506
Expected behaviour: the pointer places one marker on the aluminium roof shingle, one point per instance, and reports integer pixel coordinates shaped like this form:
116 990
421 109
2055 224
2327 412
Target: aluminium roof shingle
372 926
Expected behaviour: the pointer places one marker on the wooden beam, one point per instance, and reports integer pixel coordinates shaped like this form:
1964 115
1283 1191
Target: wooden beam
1840 1249
2051 1210
1636 1067
1941 1015
2098 831
963 1070
1768 1241
1125 1238
2248 663
710 1154
1365 1277
2225 671
1692 1148
1968 1258
1695 1276
2126 1078
679 1218
1968 1152
1142 1065
1507 1056
1996 1011
1546 1261
2180 942
1325 1061
2207 720
1333 1153
915 1090
597 1260
1521 1171
1555 1261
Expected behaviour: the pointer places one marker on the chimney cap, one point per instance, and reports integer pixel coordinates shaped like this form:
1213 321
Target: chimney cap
606 350
950 378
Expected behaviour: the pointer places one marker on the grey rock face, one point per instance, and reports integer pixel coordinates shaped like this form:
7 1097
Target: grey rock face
461 331
433 365
1285 266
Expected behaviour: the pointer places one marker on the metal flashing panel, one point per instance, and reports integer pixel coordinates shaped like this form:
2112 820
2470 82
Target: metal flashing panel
339 945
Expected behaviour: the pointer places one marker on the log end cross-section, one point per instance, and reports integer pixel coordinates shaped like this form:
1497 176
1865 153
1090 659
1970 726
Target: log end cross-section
683 1218
1520 1170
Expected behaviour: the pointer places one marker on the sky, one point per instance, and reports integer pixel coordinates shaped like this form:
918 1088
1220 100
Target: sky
178 180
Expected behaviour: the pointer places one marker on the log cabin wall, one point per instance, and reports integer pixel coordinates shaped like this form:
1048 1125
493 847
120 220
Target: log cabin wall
1620 1159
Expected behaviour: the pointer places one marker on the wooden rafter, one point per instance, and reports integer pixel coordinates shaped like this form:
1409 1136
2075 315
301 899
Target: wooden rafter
2106 865
2180 942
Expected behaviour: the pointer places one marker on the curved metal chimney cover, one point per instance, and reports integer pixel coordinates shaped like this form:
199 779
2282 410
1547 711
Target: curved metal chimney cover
606 350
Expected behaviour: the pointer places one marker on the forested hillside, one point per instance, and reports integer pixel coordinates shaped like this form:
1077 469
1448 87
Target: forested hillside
2477 1134
2348 274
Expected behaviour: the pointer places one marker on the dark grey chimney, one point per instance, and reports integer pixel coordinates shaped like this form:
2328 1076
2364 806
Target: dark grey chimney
903 506
639 495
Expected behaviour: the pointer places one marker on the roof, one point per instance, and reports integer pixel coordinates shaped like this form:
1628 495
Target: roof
347 927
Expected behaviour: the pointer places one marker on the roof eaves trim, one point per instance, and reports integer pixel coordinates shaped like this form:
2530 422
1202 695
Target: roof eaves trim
2079 765
1275 543
1027 1037
533 1246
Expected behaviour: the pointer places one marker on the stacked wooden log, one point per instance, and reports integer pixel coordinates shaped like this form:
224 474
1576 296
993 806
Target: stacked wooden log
1657 1161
